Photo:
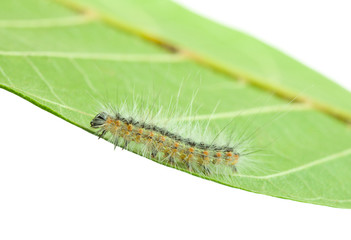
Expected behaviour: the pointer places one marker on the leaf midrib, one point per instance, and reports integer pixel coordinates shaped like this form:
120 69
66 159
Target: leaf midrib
233 73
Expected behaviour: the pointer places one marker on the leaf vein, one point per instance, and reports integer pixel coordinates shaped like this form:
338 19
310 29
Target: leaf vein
52 102
43 79
6 76
99 56
252 111
49 22
303 167
85 76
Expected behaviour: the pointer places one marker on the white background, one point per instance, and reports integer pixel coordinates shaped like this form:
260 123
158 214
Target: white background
59 182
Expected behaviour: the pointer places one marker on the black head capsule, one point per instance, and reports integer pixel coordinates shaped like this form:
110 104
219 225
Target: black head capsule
99 120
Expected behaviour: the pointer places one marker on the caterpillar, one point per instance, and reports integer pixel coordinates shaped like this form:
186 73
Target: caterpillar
190 146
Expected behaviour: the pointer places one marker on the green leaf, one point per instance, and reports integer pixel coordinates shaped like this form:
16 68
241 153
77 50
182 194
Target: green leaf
66 56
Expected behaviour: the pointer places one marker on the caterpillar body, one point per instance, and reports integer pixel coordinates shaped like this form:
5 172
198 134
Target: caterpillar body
164 145
183 144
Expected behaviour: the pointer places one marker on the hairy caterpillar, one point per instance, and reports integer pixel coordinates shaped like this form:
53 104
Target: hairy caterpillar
186 145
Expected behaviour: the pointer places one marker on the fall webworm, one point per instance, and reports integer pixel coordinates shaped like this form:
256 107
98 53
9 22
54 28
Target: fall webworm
169 134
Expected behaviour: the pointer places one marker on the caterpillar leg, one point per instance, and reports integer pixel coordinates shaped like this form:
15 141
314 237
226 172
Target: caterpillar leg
171 161
154 153
206 170
188 166
125 145
102 134
169 158
115 143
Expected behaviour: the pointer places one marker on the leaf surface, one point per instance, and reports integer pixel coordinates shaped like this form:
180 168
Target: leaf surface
66 56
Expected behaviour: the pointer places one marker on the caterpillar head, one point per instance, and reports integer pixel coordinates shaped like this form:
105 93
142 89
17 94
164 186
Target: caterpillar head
99 120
